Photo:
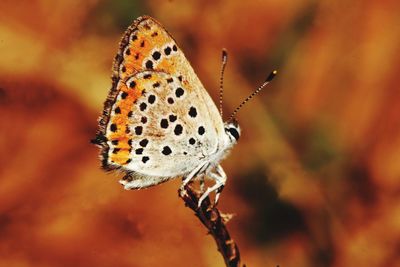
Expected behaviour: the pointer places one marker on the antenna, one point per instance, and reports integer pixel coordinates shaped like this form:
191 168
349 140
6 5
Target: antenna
267 81
221 81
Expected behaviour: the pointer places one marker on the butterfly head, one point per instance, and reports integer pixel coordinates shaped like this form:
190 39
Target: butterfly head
232 130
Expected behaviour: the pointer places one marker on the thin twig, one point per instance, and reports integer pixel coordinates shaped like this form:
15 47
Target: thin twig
214 221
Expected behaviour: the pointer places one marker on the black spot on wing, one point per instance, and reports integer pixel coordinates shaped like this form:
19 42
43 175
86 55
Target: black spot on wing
166 150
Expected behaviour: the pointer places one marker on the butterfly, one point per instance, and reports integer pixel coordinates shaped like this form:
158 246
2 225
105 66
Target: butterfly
158 121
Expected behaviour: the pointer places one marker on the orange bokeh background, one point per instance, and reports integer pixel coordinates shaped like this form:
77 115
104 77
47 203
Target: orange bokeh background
314 180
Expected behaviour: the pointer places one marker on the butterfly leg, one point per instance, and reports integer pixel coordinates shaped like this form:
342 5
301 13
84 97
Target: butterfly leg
190 176
223 176
220 179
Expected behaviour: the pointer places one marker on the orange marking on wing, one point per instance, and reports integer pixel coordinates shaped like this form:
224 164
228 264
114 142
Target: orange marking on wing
134 62
166 66
123 144
148 35
123 121
120 157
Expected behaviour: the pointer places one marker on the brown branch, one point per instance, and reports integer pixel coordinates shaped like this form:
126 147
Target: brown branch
214 221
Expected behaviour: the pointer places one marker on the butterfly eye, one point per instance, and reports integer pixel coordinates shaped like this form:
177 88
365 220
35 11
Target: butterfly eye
234 133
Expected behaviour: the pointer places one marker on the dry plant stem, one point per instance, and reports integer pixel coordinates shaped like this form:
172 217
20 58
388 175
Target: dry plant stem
211 218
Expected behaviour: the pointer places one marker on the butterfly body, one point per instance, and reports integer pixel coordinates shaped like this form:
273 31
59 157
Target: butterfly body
159 122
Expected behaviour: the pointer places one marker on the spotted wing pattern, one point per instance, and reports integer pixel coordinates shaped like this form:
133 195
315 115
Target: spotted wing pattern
169 133
147 50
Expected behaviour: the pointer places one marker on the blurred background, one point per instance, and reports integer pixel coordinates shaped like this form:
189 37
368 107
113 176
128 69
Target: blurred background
314 180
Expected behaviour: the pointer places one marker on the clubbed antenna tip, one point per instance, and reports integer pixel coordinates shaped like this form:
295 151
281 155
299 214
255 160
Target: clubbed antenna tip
271 76
224 55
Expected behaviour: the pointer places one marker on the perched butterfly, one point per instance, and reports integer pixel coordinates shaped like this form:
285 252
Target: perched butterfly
158 120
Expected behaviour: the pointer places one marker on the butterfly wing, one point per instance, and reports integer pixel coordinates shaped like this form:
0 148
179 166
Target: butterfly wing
150 65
